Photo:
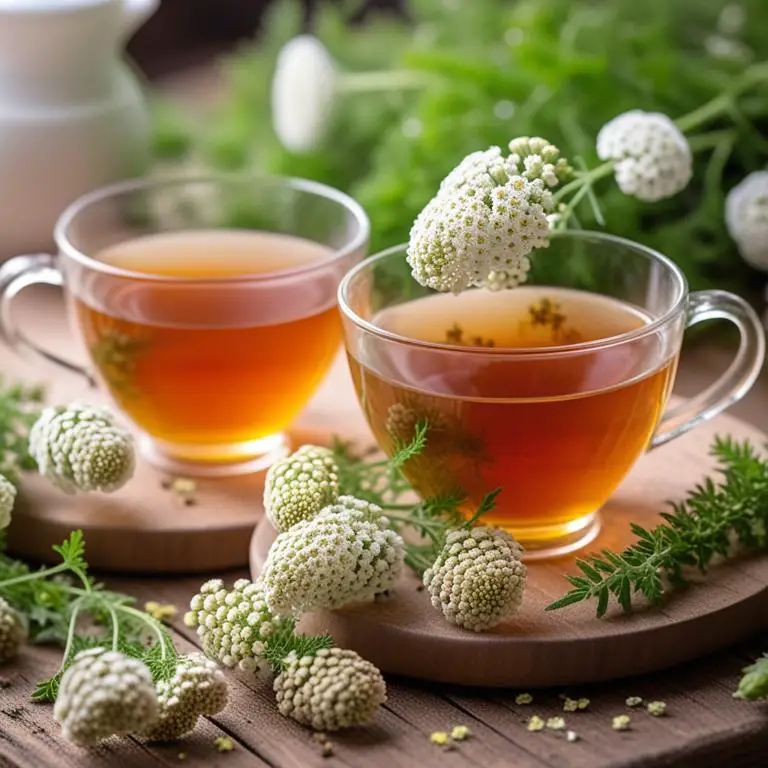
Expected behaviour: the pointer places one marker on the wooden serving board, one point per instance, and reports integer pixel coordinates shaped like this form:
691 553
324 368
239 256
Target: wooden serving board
143 528
405 635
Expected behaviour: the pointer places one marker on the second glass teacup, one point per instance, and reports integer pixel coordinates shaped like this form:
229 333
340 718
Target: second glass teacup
550 391
207 307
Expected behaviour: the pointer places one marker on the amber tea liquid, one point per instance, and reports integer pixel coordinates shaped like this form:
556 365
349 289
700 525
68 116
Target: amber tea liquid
556 432
210 371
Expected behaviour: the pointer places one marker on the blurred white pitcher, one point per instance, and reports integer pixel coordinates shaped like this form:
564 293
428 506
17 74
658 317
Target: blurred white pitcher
72 114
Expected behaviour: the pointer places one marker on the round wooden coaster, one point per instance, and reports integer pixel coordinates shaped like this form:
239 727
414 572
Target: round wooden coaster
405 635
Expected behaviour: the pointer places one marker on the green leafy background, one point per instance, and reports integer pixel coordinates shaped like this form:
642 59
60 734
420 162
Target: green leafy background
556 68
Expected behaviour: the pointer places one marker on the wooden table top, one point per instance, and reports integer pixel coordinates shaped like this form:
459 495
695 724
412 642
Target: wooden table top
705 726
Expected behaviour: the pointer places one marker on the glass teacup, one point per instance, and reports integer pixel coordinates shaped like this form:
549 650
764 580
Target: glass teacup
207 307
550 391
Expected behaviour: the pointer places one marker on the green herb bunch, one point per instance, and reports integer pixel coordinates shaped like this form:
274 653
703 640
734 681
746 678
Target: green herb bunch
714 517
554 68
63 604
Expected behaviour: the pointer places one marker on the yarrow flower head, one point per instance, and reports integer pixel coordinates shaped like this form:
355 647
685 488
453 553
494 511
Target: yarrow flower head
7 500
346 554
80 448
103 694
478 579
333 689
304 91
197 688
13 632
299 486
746 217
479 237
652 156
233 624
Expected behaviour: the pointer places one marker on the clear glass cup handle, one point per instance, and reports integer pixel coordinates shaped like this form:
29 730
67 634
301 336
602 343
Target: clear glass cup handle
19 273
736 381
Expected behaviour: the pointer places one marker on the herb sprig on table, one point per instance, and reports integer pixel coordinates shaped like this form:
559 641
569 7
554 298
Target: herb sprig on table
715 515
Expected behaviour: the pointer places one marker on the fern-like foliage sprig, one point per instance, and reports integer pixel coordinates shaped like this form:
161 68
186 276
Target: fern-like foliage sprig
382 482
714 518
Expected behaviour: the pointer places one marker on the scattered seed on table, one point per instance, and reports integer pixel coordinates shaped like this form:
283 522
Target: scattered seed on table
523 698
657 708
556 723
460 732
536 724
224 744
634 701
571 736
441 738
620 723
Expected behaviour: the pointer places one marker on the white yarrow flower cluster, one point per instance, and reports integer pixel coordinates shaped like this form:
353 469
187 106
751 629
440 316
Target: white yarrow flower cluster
7 500
652 156
489 213
233 624
13 632
746 217
478 579
80 448
103 694
304 91
197 688
346 554
300 485
334 689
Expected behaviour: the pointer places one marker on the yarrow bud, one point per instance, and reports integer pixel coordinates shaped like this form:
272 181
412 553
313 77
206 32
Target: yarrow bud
478 579
233 625
333 689
652 156
7 500
746 217
103 694
13 632
346 554
299 486
80 448
197 688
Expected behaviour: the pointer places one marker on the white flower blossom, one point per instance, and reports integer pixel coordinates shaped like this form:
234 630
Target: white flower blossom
233 624
80 448
304 91
13 632
334 689
198 687
746 217
478 579
103 694
7 500
346 554
300 485
461 238
652 156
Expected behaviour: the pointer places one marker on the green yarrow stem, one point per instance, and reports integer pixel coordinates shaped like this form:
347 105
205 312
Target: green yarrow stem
50 600
382 482
567 198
